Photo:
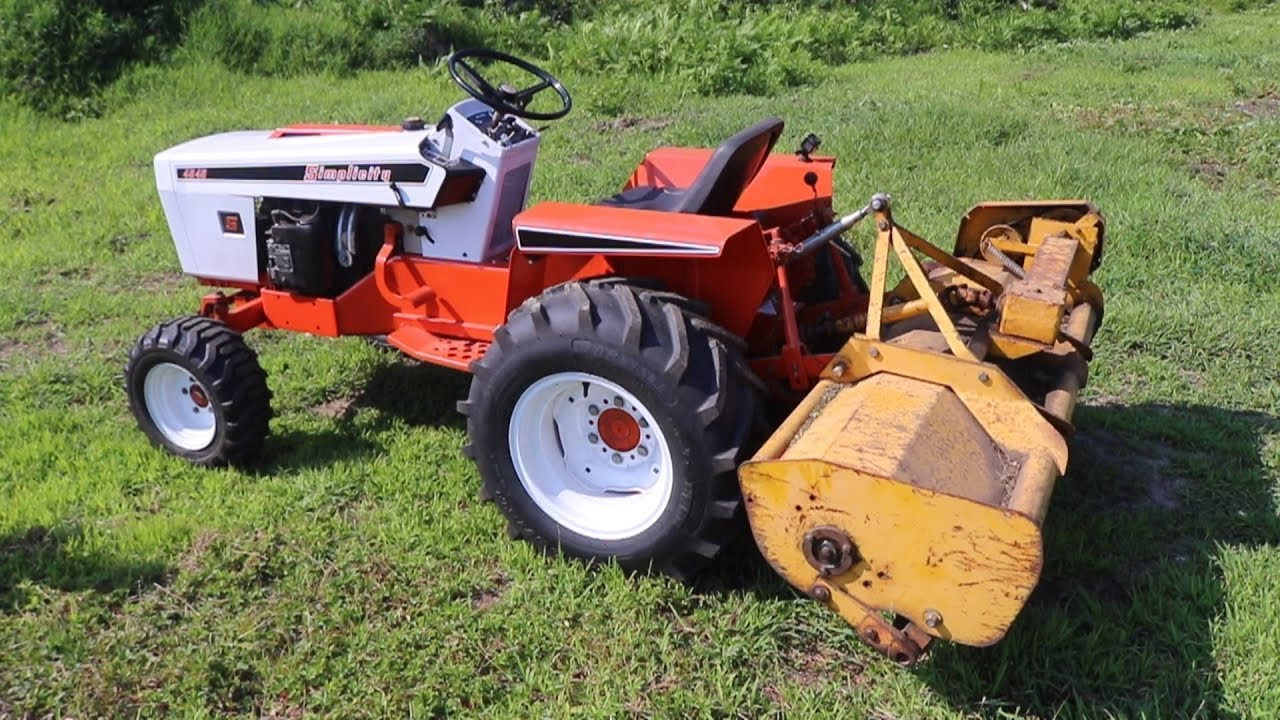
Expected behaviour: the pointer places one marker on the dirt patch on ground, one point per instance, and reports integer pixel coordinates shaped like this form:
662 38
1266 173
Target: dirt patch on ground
35 540
639 706
815 666
55 341
1148 464
1266 106
1104 401
31 200
39 337
1210 171
7 349
120 244
160 283
820 665
283 707
628 122
486 597
340 408
193 559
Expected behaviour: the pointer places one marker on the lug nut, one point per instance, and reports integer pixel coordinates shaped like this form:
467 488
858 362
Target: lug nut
617 459
642 451
932 618
828 552
593 438
644 423
593 410
617 400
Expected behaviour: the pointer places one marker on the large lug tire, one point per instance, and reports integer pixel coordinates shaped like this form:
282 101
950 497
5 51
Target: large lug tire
197 390
608 421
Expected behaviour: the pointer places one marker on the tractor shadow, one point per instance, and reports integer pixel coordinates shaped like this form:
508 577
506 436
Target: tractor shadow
400 391
56 557
1120 623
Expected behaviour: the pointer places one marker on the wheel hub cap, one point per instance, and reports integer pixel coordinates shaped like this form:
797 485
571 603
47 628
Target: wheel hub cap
198 396
619 430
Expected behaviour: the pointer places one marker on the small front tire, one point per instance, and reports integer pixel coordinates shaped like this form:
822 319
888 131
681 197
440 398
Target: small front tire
196 389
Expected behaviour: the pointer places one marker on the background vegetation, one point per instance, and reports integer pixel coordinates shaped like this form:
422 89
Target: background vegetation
354 573
56 54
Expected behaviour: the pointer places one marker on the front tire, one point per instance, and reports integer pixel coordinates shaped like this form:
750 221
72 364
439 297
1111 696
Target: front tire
197 390
607 422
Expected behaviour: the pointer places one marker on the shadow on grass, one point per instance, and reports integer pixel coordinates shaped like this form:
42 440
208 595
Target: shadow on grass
56 558
1120 623
400 391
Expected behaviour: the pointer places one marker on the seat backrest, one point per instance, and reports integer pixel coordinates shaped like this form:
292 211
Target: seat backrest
730 170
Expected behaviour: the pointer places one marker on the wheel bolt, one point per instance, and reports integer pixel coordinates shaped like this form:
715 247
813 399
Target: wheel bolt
642 451
617 459
617 400
593 410
593 438
644 423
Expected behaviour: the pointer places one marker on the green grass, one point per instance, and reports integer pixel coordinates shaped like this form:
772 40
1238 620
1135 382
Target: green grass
355 574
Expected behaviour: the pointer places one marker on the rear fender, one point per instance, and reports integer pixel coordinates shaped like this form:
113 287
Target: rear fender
723 262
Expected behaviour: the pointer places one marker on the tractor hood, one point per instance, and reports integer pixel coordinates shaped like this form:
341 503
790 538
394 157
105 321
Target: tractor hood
382 167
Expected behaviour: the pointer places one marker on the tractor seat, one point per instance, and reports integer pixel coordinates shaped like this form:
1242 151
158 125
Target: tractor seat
721 182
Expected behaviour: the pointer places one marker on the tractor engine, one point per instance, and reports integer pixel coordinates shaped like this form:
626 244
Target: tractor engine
316 248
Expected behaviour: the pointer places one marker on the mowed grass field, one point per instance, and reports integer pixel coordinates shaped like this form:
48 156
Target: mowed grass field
355 573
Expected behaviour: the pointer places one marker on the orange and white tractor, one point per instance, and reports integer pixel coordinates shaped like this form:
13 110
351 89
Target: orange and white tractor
629 356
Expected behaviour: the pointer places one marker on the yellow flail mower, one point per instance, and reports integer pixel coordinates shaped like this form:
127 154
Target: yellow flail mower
623 353
908 490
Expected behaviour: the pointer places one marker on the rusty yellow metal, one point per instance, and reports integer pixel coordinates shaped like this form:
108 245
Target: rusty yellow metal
968 270
903 311
879 275
936 466
989 394
1033 307
921 474
1018 214
939 313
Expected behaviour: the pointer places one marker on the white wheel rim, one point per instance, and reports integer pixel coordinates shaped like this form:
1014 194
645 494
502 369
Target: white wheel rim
180 407
572 473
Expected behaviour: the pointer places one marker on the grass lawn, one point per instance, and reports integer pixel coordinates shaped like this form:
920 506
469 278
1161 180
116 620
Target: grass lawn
354 572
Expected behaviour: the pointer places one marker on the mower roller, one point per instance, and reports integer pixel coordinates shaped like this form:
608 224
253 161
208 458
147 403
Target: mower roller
628 356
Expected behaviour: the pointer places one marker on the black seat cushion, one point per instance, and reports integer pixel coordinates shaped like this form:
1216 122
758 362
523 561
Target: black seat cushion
721 182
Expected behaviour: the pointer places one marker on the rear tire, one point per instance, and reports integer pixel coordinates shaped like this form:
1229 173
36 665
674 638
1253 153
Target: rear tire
607 422
197 390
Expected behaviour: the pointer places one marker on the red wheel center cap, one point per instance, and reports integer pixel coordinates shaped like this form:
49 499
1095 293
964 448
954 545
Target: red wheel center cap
198 396
619 430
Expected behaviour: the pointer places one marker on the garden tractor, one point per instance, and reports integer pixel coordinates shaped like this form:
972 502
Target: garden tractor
628 357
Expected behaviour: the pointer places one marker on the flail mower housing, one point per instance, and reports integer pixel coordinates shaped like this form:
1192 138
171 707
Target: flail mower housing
629 356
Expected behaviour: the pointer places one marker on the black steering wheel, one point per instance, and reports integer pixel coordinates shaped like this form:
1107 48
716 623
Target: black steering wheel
504 98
